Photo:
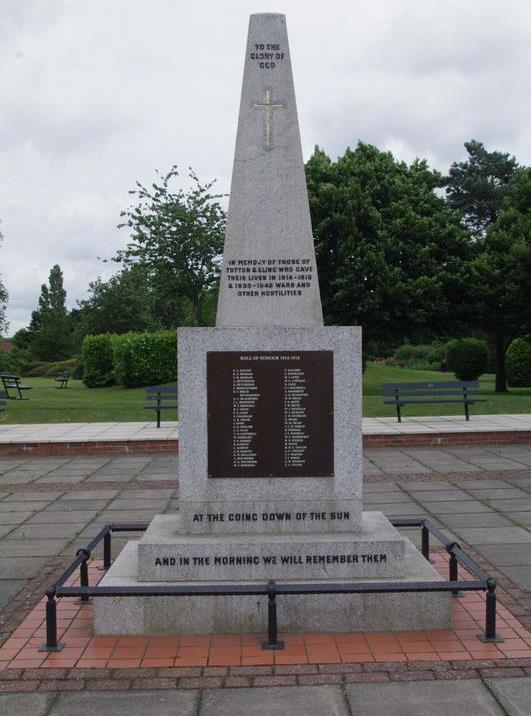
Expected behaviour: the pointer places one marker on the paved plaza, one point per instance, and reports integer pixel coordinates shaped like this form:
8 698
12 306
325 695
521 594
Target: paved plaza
169 430
481 496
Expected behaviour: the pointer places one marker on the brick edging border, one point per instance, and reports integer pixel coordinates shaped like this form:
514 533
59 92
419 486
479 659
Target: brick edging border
209 677
156 446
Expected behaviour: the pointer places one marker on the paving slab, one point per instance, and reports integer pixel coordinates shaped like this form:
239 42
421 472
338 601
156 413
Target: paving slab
518 505
127 703
441 495
420 698
506 493
522 518
457 507
20 567
482 519
274 701
506 555
513 694
494 535
8 589
25 704
31 547
520 575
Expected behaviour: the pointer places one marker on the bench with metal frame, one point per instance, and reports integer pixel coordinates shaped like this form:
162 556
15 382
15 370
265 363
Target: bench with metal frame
400 394
161 394
13 387
62 379
273 589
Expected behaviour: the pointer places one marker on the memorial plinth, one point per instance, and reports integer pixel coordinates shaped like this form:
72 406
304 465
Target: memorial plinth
270 448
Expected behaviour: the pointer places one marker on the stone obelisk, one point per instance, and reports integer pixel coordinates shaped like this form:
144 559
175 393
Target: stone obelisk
270 449
269 275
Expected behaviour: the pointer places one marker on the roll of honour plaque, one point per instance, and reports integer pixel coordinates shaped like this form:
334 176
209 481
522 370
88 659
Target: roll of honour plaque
276 409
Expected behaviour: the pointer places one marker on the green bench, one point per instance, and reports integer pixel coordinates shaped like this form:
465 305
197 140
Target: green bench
62 379
13 387
160 394
461 391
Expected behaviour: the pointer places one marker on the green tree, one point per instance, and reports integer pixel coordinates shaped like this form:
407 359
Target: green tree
121 304
477 186
501 286
50 327
4 296
177 236
392 255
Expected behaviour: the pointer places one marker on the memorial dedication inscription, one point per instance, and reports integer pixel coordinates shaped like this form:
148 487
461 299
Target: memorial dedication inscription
270 414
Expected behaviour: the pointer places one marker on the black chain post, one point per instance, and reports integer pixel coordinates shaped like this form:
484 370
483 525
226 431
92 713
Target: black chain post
83 575
272 642
490 615
453 564
51 623
425 543
107 550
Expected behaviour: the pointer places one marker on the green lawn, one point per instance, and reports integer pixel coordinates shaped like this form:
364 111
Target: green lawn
77 403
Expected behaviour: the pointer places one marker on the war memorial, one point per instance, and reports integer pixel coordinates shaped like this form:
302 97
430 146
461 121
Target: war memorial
270 443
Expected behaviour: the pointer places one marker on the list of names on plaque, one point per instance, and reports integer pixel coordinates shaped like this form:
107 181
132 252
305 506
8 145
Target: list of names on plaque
270 414
295 433
244 398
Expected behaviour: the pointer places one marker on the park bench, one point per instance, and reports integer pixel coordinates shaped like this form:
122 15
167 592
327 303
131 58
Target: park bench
462 391
13 387
62 379
160 394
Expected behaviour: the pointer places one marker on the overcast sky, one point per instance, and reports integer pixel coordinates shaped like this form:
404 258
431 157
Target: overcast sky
95 94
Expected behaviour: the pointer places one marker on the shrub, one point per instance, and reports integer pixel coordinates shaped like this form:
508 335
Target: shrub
145 358
518 363
50 369
430 356
97 360
467 358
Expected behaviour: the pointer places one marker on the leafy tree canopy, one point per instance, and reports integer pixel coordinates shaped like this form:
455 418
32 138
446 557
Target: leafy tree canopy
50 336
478 185
392 255
177 236
501 286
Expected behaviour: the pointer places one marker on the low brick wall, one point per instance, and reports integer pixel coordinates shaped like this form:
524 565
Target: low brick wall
135 447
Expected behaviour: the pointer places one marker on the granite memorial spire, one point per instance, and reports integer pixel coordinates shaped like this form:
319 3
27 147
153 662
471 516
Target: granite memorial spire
269 275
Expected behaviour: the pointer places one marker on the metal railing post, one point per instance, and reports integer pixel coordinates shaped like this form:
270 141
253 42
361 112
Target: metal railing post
83 574
490 614
51 623
425 542
453 565
272 642
107 550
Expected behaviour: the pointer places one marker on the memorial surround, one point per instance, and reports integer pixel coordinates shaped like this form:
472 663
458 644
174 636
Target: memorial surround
270 447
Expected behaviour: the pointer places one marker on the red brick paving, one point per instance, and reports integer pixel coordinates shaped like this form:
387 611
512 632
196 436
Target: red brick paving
308 657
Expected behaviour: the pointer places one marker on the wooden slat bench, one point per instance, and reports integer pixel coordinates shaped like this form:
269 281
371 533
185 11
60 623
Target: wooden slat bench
13 387
161 394
462 391
62 379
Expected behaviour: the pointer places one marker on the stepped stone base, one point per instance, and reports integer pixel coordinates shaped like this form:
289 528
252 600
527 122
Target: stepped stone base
225 614
167 554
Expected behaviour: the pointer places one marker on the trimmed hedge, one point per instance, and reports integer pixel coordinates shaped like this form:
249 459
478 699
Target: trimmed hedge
518 363
97 360
467 358
423 357
145 358
50 370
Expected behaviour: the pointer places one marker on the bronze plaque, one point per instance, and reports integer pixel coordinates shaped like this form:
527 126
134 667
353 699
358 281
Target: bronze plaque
270 414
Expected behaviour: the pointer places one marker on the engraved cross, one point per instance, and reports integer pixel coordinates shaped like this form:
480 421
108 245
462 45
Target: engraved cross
268 105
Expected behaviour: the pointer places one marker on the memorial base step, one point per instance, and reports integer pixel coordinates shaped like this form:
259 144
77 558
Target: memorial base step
225 614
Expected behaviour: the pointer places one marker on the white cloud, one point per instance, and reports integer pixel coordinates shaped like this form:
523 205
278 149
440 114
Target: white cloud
95 95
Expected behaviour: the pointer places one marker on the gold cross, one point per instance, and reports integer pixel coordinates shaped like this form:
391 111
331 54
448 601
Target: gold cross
268 105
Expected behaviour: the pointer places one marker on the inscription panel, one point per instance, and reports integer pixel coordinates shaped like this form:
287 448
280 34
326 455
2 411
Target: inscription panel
270 414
